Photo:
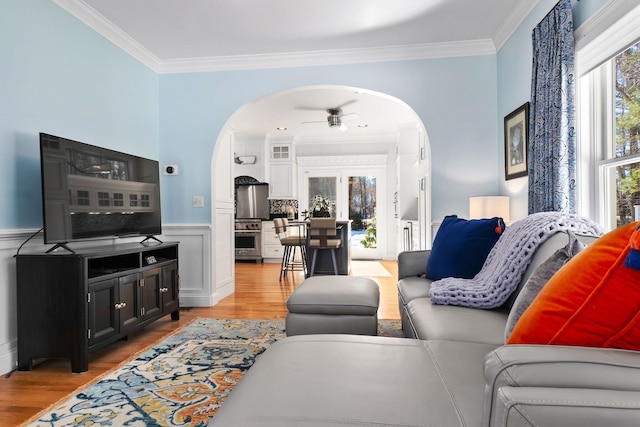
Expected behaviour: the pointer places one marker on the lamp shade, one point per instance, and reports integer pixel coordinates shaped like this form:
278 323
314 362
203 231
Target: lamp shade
489 207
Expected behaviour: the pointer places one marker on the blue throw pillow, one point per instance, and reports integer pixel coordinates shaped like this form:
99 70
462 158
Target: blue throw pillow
461 246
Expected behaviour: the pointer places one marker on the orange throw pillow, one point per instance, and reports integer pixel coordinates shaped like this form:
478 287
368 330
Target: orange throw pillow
593 301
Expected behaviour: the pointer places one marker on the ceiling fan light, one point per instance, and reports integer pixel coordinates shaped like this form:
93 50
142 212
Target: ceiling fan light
334 121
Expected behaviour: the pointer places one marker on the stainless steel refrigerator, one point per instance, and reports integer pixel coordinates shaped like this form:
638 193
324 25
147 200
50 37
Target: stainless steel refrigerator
252 201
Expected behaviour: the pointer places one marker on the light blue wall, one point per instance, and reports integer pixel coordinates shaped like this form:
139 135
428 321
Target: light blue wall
60 77
455 98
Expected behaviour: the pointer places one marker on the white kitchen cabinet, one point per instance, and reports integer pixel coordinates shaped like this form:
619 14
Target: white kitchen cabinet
271 247
282 172
281 181
424 153
424 211
408 153
406 195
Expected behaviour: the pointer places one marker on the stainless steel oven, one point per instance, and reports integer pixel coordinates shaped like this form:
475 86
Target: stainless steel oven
248 239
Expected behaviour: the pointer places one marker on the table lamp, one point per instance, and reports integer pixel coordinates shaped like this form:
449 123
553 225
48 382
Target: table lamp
489 207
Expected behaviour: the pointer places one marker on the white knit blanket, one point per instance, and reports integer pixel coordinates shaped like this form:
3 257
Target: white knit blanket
508 260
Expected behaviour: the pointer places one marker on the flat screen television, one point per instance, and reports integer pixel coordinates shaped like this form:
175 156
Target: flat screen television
90 192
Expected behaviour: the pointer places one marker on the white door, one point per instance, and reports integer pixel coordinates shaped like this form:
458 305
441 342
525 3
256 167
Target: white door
359 196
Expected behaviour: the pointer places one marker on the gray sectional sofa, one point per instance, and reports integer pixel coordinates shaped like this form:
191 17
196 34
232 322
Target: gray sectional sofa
423 320
456 372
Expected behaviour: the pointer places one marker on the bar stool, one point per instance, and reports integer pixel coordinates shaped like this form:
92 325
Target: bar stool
291 244
320 229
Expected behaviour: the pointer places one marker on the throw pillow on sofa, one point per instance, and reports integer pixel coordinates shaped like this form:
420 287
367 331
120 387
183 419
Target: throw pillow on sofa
539 278
593 301
461 246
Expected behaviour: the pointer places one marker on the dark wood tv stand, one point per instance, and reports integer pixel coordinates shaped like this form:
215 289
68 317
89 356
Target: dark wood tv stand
71 304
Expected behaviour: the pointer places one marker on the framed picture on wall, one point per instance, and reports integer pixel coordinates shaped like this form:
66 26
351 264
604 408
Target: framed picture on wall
516 142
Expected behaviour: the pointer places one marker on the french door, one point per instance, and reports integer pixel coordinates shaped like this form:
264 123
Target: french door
359 196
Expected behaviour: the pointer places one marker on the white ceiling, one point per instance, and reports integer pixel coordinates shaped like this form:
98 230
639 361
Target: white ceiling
294 109
209 35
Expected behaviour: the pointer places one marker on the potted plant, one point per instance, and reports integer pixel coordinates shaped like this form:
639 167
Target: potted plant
369 240
321 206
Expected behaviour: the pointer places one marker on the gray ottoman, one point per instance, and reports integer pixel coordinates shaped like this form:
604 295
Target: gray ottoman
334 305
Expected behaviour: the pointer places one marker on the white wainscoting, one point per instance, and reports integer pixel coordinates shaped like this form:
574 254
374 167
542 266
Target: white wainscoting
195 263
10 241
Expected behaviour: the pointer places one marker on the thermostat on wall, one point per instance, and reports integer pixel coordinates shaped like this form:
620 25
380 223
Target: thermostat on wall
170 169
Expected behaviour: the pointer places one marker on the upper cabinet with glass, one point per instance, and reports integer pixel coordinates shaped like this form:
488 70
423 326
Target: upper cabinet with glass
281 171
281 153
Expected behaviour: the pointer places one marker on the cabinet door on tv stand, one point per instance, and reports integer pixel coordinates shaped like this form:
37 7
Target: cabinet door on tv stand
150 293
103 315
128 306
171 290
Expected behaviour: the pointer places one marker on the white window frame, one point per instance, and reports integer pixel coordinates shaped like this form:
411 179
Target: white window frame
606 34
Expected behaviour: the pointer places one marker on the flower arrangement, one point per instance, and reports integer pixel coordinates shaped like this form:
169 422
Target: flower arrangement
321 206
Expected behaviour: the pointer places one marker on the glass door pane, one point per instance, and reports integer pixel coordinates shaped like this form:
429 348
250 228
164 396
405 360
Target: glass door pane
363 212
325 187
322 184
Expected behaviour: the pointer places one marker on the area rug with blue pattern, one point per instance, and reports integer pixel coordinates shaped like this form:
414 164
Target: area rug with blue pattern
181 381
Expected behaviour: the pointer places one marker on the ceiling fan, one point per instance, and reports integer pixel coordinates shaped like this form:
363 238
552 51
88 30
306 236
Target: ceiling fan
335 116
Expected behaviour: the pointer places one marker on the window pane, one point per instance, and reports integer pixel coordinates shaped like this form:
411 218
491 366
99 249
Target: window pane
627 99
627 193
103 199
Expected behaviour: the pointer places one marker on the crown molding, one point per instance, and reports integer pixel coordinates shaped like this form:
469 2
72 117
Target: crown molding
108 30
328 57
104 27
513 22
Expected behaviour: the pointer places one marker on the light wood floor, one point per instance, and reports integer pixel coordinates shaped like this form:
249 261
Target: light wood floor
258 295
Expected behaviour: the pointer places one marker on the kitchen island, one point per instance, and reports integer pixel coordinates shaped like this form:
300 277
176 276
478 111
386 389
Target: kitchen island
324 265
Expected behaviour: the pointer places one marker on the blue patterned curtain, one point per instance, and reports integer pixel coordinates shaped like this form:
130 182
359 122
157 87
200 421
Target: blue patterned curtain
552 138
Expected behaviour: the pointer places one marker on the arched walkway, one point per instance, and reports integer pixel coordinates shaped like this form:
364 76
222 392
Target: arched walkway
410 140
